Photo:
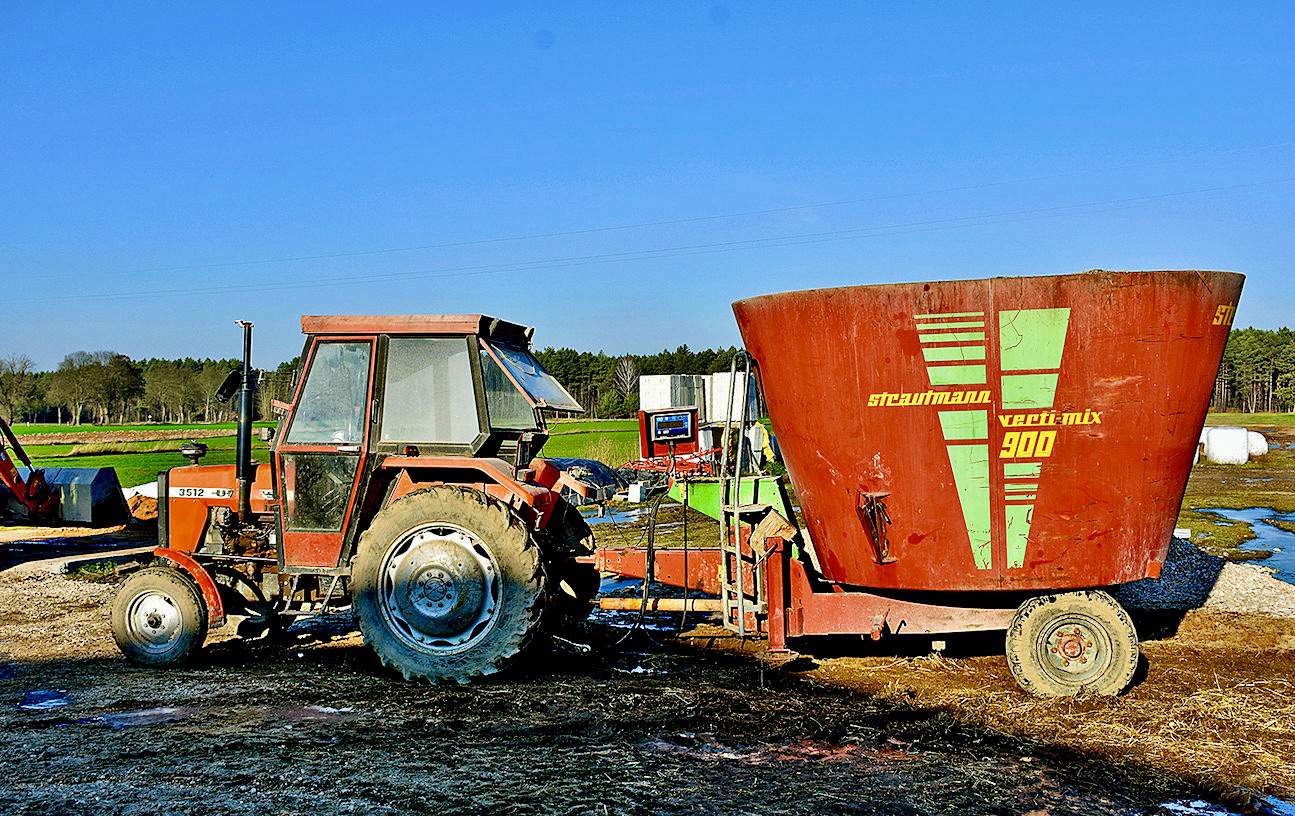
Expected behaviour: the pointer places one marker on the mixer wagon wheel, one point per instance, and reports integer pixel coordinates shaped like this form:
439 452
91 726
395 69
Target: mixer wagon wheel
159 617
1071 644
448 585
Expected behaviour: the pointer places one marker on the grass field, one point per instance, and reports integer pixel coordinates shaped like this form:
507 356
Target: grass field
135 462
613 441
1254 421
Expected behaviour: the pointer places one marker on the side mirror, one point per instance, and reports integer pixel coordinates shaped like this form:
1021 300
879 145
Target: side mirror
265 434
233 381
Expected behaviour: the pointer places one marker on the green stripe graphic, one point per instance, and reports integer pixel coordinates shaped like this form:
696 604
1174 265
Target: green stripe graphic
938 315
971 476
1022 391
946 354
1017 518
1018 469
964 425
956 374
1032 339
961 324
952 337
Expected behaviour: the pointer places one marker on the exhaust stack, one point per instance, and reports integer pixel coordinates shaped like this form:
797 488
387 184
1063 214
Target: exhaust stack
243 453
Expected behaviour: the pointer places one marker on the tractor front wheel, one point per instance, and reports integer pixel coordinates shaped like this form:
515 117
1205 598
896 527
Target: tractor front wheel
1072 644
448 585
159 617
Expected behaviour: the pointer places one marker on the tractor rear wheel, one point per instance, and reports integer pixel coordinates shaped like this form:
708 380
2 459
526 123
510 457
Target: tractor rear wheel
159 617
1072 644
448 585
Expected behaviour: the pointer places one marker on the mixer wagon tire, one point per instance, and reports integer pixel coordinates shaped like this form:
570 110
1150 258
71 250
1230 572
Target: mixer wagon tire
1072 644
448 585
159 617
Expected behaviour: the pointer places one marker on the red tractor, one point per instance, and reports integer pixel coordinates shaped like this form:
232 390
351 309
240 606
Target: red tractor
402 482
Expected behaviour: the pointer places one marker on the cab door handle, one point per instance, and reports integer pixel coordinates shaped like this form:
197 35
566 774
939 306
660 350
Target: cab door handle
348 448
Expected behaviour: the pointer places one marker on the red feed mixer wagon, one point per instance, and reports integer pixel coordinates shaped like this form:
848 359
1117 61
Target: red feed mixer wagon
1027 435
969 456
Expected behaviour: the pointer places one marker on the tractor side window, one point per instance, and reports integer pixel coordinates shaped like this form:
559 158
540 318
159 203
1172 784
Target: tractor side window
331 408
509 409
428 395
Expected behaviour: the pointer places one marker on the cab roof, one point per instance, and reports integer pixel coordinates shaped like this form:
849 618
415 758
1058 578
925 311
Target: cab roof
484 325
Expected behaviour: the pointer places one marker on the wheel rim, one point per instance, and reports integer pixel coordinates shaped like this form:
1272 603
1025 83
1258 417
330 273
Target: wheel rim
1074 649
154 621
440 589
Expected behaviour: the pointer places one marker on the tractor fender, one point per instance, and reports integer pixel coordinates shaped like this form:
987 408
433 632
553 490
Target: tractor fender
210 593
492 476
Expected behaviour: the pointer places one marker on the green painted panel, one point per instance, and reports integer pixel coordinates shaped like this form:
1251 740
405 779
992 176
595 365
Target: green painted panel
957 324
964 425
1022 391
956 374
945 354
1032 339
971 475
1011 469
952 337
935 315
703 494
1017 518
1021 487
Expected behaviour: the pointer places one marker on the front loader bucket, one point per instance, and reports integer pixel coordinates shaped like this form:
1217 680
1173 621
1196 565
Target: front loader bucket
90 496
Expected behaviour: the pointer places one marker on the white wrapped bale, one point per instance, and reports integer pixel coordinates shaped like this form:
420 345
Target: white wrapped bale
1227 446
1258 444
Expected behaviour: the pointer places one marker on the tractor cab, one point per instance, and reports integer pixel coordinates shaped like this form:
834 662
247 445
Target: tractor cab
402 480
381 392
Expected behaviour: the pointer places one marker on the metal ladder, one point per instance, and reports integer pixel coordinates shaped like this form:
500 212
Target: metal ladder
741 598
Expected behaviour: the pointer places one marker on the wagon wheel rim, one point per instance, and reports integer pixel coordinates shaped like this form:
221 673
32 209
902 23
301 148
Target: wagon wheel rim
1074 649
440 589
154 621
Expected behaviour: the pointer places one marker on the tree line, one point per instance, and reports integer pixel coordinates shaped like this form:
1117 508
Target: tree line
104 387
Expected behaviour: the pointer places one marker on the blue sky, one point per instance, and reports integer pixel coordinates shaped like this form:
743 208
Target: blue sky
168 168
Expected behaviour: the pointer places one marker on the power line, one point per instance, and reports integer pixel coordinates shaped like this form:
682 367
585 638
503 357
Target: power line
687 250
689 220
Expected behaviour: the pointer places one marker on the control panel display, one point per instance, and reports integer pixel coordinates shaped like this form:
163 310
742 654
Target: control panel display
672 427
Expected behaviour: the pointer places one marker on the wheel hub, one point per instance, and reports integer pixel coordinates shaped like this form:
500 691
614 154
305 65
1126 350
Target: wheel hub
440 588
1074 651
154 621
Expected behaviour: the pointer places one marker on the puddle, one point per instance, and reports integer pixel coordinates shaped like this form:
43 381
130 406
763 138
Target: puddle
1267 537
13 553
7 671
315 712
1262 806
804 751
44 700
118 720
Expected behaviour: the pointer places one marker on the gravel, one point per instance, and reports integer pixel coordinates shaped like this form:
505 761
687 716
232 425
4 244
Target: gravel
1194 579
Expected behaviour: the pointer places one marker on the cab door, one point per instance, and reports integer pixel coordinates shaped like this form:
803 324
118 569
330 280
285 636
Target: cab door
321 456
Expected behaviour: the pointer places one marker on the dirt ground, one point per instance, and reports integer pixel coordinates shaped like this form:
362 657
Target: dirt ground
656 724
